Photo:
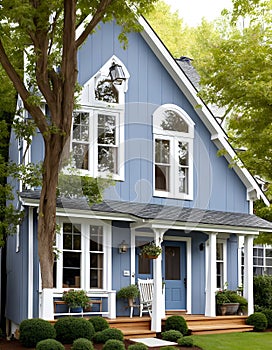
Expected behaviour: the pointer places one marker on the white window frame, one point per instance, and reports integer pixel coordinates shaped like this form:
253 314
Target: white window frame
224 262
85 257
174 137
93 143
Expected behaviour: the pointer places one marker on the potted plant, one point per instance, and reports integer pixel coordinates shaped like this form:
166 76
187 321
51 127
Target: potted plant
76 299
228 302
129 292
151 250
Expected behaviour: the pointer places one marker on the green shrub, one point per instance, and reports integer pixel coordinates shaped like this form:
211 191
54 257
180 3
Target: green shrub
114 344
49 344
258 320
99 323
71 328
138 346
106 334
171 335
262 288
177 323
268 314
186 342
82 344
34 330
168 347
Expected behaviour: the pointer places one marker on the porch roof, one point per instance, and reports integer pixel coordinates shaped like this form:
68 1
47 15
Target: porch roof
159 213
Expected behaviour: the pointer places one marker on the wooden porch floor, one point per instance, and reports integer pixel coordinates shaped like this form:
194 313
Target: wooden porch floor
139 327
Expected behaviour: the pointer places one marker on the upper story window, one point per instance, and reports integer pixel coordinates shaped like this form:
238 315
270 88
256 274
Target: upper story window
98 126
173 132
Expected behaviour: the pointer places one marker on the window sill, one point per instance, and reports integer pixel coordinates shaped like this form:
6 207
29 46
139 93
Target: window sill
165 194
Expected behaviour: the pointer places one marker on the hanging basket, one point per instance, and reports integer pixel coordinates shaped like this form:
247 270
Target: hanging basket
150 256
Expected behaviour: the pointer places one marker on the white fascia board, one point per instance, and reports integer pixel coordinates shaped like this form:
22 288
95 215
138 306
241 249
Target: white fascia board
218 136
88 214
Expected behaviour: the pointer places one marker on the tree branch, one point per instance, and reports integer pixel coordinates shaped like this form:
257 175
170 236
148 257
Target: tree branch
99 14
35 111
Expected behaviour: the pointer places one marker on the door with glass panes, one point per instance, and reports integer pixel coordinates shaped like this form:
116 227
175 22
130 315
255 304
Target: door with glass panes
174 274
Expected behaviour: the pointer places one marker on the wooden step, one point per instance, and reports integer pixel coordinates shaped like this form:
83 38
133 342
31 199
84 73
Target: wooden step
135 327
224 328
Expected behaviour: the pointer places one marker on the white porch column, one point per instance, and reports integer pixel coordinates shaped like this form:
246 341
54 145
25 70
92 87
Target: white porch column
248 272
210 309
112 304
157 303
47 309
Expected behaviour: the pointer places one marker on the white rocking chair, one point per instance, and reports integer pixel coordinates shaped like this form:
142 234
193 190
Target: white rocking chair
146 288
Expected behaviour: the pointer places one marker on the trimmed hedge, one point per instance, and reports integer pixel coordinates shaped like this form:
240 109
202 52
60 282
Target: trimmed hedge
171 335
71 328
186 342
49 344
114 344
106 334
34 330
99 323
82 344
177 323
258 320
262 288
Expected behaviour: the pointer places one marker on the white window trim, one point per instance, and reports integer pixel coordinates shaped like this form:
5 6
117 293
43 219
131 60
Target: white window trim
93 144
224 242
174 137
85 258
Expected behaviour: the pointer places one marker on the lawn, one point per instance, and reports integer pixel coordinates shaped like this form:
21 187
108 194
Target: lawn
235 341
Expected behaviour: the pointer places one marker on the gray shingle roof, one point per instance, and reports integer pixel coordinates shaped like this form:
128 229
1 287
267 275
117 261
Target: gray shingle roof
162 212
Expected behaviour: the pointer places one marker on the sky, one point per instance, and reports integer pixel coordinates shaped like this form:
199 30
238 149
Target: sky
192 11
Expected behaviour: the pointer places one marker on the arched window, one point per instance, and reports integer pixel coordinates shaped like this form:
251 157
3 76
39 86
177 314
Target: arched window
98 126
173 132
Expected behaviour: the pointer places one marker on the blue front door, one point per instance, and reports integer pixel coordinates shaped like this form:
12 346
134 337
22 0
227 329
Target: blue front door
174 274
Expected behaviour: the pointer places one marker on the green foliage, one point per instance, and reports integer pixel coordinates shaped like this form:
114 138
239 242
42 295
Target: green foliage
49 344
151 249
171 335
168 347
230 296
262 289
34 330
177 323
237 76
76 298
71 184
82 344
129 292
258 320
99 323
187 342
113 344
138 346
70 328
268 314
106 334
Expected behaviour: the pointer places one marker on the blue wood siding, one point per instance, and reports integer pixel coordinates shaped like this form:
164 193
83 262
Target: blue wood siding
17 276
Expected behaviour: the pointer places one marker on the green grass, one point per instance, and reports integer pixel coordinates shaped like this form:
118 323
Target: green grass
234 341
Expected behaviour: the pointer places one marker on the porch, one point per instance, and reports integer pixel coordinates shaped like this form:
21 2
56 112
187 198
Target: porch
139 327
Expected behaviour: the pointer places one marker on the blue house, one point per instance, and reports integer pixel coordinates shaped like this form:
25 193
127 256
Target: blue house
159 142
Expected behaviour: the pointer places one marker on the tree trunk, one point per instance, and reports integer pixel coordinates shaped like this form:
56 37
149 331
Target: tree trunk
47 208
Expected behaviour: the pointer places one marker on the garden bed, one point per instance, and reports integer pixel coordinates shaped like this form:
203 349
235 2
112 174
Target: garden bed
16 345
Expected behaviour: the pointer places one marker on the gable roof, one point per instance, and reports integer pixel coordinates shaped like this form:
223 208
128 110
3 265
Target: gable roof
184 218
218 135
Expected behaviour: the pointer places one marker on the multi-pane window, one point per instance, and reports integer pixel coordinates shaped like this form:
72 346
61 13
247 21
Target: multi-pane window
71 255
219 265
96 145
262 260
96 256
173 148
83 252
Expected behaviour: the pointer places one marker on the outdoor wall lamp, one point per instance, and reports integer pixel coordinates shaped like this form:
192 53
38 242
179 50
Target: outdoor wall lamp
123 247
117 74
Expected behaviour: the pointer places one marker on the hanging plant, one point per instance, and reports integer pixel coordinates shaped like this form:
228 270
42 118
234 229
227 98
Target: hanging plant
151 250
